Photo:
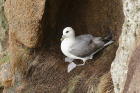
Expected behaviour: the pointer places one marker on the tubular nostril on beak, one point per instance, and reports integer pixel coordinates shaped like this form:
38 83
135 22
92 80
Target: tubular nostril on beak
63 37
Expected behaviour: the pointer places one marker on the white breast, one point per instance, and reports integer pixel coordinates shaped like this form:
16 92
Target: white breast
65 47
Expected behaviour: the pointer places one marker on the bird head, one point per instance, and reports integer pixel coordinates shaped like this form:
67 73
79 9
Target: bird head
67 33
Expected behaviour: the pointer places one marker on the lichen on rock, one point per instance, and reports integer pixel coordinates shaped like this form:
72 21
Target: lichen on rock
4 27
128 42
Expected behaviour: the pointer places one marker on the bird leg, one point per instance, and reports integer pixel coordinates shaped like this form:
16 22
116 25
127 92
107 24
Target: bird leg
82 64
67 59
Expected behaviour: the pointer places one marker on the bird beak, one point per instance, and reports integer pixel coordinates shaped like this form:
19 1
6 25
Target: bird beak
63 37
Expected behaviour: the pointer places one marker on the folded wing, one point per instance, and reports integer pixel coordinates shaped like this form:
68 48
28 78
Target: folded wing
85 45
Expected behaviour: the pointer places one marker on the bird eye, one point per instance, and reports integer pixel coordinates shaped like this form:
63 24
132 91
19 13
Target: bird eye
67 31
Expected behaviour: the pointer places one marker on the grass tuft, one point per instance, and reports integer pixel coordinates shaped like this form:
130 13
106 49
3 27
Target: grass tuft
5 58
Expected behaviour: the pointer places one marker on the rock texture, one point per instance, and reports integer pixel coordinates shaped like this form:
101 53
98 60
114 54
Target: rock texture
3 27
128 42
132 84
36 61
3 40
26 17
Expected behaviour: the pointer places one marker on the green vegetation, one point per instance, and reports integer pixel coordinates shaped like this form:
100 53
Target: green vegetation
3 24
125 32
137 9
127 10
135 34
118 86
123 48
5 58
73 83
1 86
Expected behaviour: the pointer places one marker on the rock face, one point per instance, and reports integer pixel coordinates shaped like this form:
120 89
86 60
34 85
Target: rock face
4 55
26 17
123 66
132 84
36 61
3 28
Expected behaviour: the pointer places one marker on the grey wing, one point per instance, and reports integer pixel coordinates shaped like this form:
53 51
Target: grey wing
84 46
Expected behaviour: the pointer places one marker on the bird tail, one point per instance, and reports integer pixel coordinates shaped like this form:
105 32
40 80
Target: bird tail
108 40
108 37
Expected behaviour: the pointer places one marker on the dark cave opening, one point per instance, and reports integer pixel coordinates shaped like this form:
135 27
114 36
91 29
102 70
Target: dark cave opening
99 18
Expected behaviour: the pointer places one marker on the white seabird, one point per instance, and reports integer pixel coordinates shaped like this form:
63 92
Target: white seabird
81 47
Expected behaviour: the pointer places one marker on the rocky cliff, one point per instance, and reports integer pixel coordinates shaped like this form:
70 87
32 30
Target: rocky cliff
125 68
4 50
36 62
